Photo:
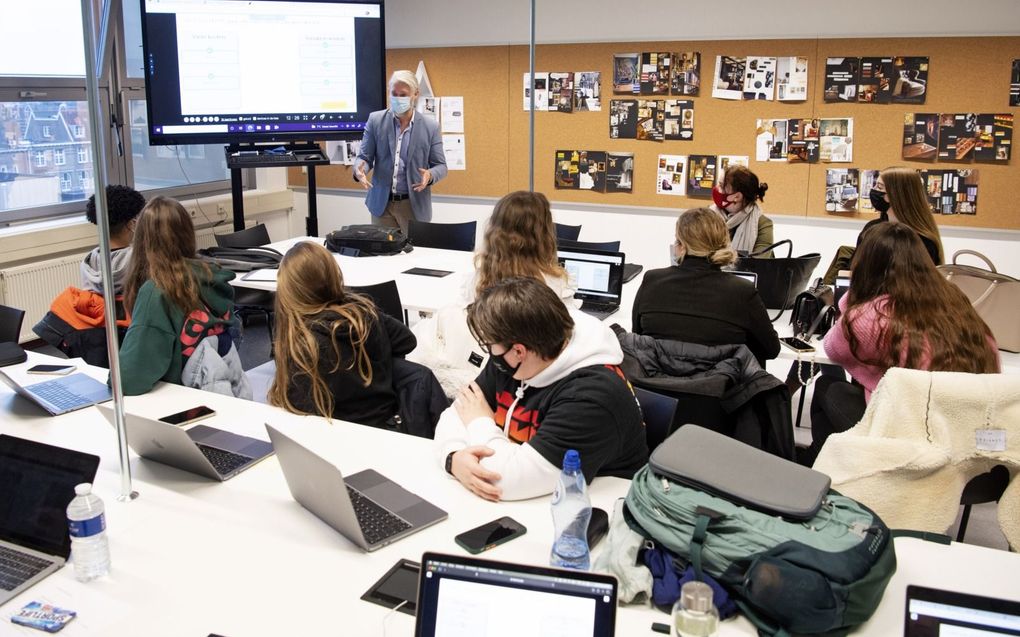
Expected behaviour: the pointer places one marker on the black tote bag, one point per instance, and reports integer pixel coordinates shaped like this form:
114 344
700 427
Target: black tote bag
780 279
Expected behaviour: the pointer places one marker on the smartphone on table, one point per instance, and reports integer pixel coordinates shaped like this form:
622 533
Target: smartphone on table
490 534
58 370
188 416
796 344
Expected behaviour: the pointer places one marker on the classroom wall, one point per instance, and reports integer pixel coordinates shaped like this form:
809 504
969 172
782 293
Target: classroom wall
486 22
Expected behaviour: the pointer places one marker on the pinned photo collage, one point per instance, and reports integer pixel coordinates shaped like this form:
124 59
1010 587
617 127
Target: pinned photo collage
564 92
951 192
756 78
725 161
671 176
986 137
594 170
842 189
657 73
876 80
701 175
920 135
804 140
1014 84
651 120
792 79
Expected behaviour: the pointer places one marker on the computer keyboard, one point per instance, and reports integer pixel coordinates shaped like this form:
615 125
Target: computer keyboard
376 522
265 158
16 567
57 395
599 310
225 462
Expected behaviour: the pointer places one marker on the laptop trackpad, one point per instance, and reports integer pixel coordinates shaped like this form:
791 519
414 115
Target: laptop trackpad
229 441
382 490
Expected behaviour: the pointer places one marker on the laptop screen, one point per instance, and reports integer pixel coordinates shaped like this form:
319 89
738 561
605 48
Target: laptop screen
36 484
467 596
747 276
937 613
598 275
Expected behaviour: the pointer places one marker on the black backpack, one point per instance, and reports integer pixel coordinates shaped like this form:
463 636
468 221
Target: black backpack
367 241
242 259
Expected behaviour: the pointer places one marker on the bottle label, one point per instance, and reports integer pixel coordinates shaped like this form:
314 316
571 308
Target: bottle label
87 528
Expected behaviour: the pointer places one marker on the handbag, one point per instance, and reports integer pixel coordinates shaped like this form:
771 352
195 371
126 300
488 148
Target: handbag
995 297
366 240
780 279
813 304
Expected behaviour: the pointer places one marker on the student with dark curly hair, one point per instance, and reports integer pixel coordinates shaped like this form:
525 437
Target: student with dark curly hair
123 205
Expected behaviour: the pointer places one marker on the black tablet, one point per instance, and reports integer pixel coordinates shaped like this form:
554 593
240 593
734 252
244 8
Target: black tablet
428 272
399 584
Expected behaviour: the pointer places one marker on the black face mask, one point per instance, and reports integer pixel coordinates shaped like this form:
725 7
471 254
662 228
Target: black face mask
878 201
499 362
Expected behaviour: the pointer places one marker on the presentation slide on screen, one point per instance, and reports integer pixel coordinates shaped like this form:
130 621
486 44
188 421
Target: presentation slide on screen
589 275
473 609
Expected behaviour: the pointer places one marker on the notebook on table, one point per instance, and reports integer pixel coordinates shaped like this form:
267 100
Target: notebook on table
459 594
598 276
61 395
36 484
206 451
367 508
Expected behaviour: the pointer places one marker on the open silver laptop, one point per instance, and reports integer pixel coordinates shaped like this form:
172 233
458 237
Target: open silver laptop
63 394
36 484
367 508
207 451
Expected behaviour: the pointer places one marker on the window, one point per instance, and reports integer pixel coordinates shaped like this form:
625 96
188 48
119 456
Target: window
84 154
59 158
65 182
64 52
79 131
40 159
169 166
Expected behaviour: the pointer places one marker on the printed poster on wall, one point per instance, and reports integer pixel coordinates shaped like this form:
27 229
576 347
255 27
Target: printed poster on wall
452 110
626 78
868 180
623 116
910 80
561 92
842 190
725 161
1014 84
841 76
770 140
875 80
541 87
678 121
587 91
701 171
729 77
619 172
791 79
836 139
920 136
759 78
951 192
995 137
456 154
671 177
685 78
650 120
654 73
803 143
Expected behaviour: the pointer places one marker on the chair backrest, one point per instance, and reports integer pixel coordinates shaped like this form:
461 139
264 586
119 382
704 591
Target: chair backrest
447 236
252 237
605 246
570 233
11 319
386 297
658 411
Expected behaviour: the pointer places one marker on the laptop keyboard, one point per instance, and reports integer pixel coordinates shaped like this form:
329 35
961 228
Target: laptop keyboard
376 522
599 310
225 462
16 567
57 395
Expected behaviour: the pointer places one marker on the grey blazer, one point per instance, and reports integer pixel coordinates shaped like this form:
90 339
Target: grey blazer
425 150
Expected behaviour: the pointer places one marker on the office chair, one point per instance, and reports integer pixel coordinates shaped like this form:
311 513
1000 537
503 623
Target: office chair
11 319
386 297
658 411
248 302
605 246
570 233
987 487
252 237
446 236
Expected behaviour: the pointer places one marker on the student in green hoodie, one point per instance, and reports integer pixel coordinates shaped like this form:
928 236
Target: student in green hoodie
174 299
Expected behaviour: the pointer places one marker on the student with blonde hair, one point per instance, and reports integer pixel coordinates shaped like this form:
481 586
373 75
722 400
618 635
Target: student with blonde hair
519 241
334 350
181 310
696 301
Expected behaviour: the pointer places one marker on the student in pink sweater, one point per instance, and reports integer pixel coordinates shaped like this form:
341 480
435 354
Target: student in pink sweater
900 312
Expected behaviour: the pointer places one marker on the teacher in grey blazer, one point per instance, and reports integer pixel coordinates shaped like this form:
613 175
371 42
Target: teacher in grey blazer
404 151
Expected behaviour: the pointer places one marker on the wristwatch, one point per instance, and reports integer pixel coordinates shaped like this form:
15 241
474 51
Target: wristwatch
449 462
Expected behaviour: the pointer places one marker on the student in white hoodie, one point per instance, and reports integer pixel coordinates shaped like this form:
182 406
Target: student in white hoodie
551 384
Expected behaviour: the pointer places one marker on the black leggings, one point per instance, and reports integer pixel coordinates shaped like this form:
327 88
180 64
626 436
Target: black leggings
836 406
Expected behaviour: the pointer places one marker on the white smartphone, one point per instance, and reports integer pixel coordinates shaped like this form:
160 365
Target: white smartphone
57 370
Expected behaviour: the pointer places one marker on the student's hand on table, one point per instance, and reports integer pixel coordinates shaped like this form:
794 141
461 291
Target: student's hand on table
471 404
467 468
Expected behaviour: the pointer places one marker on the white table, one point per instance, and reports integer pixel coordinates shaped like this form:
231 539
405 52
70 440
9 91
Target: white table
417 293
243 559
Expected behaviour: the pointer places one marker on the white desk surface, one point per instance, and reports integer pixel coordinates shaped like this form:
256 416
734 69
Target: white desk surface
243 559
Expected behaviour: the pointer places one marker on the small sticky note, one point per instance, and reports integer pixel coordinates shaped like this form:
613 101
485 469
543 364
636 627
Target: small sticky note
990 439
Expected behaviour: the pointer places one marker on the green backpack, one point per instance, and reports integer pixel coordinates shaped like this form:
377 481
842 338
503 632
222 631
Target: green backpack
822 574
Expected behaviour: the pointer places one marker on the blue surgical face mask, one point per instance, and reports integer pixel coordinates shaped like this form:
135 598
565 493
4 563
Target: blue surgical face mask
400 105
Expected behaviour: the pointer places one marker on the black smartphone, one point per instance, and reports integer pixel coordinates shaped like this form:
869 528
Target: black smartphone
796 344
188 416
59 370
598 527
428 272
491 534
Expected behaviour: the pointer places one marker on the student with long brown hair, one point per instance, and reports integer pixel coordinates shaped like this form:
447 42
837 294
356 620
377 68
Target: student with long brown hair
175 301
899 196
519 240
696 301
900 312
334 350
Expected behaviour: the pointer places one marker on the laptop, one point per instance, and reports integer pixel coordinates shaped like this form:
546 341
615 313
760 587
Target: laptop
747 276
36 484
61 395
598 276
367 508
466 595
204 450
931 612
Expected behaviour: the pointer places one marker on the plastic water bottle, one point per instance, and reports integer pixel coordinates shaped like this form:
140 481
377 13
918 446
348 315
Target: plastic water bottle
86 521
571 511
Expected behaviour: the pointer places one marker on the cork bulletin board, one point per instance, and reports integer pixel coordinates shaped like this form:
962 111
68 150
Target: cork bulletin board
965 75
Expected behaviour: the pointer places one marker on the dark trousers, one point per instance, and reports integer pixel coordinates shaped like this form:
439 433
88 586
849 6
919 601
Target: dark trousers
836 406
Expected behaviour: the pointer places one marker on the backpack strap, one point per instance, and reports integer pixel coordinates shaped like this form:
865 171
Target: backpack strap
705 517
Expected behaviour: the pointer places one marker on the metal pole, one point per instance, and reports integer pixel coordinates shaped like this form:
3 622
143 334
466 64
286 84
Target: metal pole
531 106
92 55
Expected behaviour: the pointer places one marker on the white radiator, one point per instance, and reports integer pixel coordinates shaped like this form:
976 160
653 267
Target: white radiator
33 287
